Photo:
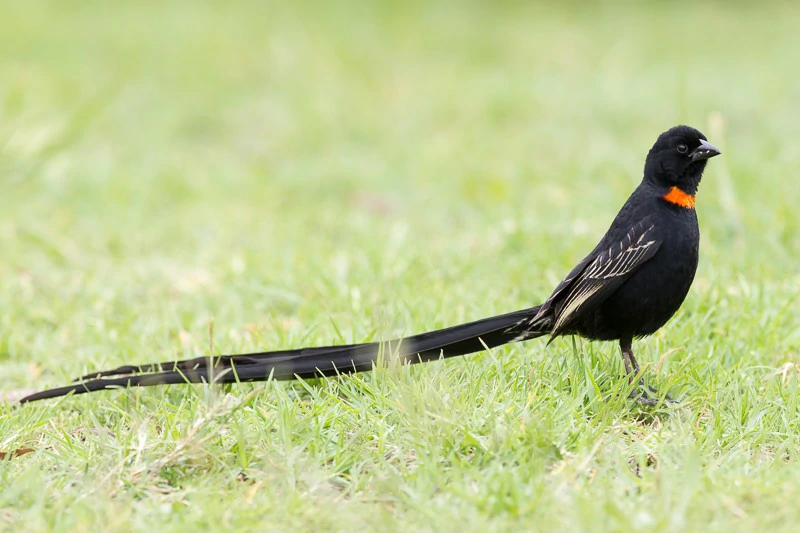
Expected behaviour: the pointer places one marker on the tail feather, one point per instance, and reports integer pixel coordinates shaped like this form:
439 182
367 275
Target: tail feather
318 361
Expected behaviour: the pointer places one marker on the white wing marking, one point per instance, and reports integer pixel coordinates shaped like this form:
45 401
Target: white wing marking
606 266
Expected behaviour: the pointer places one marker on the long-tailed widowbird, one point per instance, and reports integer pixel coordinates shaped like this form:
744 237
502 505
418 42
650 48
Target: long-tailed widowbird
629 286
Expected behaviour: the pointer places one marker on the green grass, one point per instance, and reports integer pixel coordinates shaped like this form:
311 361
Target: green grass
297 174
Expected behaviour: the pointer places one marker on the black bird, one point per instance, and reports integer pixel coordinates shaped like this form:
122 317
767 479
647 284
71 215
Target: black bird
633 281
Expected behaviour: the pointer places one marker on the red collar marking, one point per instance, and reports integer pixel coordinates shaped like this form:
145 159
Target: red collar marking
678 197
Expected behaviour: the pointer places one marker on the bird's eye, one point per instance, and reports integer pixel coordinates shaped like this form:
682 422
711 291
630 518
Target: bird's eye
682 148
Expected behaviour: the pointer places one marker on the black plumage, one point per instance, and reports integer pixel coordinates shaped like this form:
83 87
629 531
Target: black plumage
629 286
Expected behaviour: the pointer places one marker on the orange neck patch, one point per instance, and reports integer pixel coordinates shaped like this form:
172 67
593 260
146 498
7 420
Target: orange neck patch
678 197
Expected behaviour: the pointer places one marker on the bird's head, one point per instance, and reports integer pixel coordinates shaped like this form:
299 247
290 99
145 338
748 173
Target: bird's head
678 158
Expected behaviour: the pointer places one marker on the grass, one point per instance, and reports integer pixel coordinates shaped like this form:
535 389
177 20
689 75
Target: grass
193 177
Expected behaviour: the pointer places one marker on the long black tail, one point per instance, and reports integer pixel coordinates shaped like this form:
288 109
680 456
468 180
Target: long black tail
316 362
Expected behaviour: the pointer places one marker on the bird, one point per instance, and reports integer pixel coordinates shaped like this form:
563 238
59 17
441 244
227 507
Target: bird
626 288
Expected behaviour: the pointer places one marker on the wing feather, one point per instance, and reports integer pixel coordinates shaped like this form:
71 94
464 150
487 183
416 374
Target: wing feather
602 274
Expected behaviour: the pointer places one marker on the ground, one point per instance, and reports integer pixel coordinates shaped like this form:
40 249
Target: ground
194 177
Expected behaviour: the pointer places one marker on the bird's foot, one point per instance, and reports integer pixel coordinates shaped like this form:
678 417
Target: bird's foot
642 395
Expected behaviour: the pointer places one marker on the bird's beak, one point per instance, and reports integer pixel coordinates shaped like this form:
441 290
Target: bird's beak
706 150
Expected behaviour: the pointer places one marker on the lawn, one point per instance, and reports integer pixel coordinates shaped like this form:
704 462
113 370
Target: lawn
192 177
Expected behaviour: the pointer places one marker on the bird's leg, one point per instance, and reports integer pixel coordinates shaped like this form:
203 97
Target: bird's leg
631 365
633 369
636 368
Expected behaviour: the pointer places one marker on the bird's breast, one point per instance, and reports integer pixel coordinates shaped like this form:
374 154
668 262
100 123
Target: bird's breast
652 294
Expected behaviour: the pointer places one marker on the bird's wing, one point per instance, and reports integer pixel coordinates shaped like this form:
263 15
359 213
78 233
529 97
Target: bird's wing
601 273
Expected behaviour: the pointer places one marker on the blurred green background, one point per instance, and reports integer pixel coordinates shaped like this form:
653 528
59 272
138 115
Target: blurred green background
308 172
